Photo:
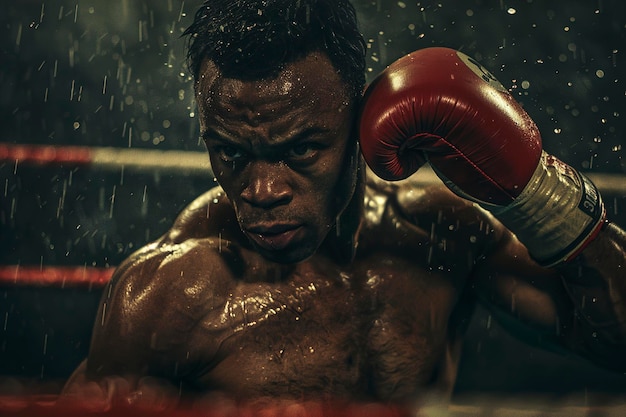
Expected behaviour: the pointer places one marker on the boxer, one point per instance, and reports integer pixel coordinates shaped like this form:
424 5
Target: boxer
304 277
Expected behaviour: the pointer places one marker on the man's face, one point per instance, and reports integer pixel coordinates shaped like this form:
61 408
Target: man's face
279 148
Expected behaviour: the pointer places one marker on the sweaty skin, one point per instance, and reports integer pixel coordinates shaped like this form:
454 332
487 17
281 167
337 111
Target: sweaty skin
250 295
202 307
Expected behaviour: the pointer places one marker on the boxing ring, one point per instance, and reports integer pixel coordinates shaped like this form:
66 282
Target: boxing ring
50 289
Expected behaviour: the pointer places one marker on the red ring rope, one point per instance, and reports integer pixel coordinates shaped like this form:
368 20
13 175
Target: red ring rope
108 158
47 154
58 276
39 406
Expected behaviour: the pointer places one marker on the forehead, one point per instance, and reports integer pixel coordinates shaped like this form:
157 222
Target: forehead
308 82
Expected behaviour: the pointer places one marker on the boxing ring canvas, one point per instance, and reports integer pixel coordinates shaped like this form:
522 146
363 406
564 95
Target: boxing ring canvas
99 152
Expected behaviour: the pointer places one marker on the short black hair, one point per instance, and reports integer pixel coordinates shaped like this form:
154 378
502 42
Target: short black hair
254 39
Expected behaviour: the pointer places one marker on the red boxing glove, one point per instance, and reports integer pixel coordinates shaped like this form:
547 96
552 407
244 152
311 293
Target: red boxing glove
440 106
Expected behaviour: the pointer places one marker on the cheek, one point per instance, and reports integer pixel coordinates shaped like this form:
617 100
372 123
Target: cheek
332 176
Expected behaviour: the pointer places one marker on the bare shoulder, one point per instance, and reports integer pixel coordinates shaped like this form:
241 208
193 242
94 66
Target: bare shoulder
162 271
157 296
197 252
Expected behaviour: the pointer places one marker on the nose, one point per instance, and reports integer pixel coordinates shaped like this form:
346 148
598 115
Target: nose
267 186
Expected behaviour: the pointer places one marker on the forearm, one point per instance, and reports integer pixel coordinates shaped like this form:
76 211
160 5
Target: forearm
596 286
560 217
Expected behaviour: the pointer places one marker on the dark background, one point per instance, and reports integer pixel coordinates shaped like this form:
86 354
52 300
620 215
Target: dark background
111 73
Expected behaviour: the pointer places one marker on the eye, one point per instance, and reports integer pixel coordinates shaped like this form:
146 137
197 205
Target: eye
229 153
303 151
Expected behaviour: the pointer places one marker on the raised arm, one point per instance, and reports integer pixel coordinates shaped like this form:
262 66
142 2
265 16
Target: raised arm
565 277
576 305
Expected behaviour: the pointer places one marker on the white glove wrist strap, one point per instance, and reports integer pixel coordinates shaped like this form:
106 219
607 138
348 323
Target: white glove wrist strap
556 215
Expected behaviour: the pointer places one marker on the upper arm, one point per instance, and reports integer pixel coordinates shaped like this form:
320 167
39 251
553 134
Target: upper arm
119 353
127 316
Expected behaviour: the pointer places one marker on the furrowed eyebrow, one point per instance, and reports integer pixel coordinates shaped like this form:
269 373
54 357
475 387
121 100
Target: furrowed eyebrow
308 132
304 134
211 133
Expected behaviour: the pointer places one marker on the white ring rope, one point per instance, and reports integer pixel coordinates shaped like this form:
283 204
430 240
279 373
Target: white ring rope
191 161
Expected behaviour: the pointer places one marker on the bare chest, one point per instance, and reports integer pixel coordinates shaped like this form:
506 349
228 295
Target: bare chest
375 330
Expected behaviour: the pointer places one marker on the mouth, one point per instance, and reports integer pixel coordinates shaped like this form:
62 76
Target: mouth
276 236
